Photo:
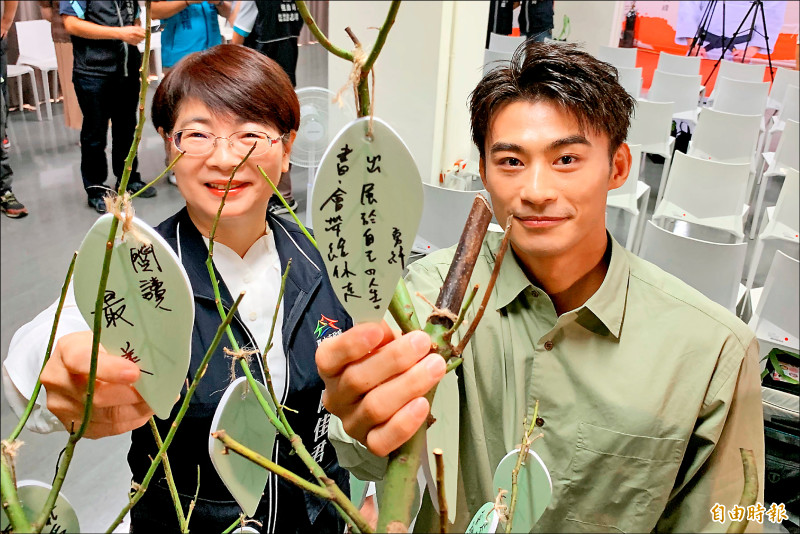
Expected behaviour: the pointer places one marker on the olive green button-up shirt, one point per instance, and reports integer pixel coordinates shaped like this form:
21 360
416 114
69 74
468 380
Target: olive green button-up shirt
647 392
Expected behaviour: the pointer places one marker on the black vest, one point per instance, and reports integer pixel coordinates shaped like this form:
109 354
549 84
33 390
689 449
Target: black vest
275 33
308 296
107 57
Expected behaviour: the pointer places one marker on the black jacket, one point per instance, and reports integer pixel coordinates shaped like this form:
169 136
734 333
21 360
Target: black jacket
308 296
275 33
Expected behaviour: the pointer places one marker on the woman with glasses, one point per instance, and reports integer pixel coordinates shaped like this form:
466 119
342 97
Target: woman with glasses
213 106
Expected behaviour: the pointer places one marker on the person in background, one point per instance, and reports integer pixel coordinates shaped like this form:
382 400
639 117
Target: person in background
105 35
272 28
501 18
189 26
9 204
536 19
63 45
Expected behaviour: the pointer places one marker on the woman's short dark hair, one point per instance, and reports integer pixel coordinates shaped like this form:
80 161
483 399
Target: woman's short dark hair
229 80
561 74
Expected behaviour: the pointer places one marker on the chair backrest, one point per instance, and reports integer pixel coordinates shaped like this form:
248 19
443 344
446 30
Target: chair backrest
629 187
778 303
505 43
35 40
746 72
790 108
707 188
787 209
714 269
630 78
651 125
783 79
619 57
787 155
493 59
682 89
444 214
678 64
737 96
725 137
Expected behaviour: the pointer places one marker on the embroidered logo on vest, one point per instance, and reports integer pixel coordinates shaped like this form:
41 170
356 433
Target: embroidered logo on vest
326 328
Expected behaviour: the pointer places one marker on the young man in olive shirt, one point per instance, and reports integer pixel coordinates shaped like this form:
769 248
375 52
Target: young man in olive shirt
647 388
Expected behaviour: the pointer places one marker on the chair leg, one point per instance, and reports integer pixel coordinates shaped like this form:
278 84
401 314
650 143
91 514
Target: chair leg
757 206
46 84
754 260
642 219
35 96
629 241
662 184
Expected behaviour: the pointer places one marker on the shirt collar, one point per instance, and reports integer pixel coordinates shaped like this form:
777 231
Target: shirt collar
603 313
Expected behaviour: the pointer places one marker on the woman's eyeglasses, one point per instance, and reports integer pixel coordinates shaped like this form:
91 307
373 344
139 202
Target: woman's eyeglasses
200 143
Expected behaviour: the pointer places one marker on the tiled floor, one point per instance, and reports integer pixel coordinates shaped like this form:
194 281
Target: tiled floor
35 254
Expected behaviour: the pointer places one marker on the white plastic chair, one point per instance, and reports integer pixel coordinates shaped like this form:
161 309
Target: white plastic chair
18 71
779 162
790 109
627 198
714 269
704 192
36 49
687 65
746 72
681 89
782 221
650 128
631 79
725 137
619 57
742 97
776 321
443 216
783 79
493 59
505 43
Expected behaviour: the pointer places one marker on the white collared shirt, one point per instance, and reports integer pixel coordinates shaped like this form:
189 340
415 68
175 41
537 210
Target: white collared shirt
258 274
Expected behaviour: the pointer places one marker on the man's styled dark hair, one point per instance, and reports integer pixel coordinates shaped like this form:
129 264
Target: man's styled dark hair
229 80
561 74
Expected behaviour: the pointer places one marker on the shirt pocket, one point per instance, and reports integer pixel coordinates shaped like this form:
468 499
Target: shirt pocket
620 482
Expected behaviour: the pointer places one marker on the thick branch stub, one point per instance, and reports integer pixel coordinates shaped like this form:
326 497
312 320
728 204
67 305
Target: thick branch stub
457 280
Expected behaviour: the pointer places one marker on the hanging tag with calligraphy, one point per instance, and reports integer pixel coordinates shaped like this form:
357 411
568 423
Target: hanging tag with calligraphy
366 207
148 307
241 416
33 496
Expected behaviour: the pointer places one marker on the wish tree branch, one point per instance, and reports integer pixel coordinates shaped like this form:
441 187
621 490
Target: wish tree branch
198 375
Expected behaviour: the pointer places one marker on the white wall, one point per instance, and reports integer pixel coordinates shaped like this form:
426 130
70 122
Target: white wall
595 23
424 73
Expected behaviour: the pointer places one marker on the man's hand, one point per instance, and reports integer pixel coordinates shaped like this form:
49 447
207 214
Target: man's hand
376 384
698 50
117 406
133 35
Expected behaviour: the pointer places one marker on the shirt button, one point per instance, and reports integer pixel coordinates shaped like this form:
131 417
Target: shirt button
253 316
535 293
539 421
548 345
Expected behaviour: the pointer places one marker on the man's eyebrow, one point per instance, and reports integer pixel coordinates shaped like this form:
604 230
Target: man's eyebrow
576 139
505 147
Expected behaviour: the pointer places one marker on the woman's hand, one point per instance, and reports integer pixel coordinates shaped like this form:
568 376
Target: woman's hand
117 406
